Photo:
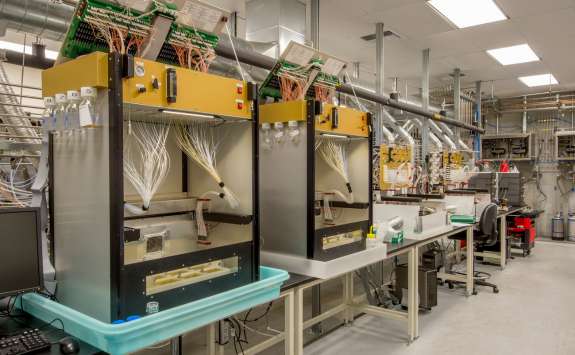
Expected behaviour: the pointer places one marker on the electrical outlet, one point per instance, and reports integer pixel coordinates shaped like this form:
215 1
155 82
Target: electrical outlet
223 332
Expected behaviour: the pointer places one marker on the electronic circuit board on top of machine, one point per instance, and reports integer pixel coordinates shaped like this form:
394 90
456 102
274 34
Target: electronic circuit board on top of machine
303 59
195 23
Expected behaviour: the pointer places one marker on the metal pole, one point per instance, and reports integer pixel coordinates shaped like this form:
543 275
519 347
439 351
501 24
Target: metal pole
457 96
425 106
314 23
23 66
379 79
355 72
314 38
477 139
524 123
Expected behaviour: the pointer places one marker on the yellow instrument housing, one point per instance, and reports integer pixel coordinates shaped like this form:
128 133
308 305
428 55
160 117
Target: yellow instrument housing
351 122
197 92
391 158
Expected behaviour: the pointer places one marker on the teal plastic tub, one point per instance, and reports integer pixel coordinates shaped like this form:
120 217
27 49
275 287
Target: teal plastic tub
146 331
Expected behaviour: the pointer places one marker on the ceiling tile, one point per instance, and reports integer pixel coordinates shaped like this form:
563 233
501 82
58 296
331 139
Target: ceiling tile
416 20
521 8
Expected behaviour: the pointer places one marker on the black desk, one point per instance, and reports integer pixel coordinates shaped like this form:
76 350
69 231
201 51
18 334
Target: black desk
52 333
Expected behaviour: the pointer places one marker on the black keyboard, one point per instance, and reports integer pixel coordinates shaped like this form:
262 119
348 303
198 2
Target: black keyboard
25 342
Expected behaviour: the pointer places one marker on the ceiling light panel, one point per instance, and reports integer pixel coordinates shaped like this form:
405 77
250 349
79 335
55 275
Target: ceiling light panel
467 13
539 80
514 55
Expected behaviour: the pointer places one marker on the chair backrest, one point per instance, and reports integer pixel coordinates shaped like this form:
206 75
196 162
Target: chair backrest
488 224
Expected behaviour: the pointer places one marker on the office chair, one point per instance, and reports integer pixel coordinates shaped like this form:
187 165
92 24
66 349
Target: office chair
486 236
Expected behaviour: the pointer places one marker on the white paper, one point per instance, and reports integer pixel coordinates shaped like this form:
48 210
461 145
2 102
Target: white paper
299 55
200 16
333 66
85 116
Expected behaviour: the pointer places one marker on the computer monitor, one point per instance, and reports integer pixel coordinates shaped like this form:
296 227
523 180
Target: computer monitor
20 251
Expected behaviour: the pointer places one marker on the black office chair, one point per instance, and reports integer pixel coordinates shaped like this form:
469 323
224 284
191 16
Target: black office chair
486 236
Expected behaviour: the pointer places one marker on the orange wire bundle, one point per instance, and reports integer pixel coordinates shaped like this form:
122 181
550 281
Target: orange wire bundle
322 93
193 57
291 89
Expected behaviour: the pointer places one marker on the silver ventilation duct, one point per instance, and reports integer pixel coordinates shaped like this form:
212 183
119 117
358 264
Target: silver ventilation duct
47 19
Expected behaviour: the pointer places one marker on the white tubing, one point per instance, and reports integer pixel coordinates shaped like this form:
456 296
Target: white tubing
334 154
135 210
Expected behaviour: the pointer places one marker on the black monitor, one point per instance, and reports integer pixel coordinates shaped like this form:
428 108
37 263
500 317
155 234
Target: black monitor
20 251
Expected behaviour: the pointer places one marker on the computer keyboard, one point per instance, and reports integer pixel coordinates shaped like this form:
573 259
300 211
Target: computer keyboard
25 342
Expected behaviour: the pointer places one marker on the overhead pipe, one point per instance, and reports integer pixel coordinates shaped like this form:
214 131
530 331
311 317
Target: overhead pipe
48 19
265 62
436 141
441 135
454 137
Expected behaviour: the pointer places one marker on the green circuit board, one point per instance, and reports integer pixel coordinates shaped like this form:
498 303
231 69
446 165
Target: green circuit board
83 36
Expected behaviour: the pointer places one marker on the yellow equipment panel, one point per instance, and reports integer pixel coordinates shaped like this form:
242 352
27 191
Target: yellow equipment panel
196 91
351 122
283 111
88 70
453 159
392 158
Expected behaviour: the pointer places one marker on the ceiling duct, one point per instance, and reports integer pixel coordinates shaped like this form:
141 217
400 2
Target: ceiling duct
47 19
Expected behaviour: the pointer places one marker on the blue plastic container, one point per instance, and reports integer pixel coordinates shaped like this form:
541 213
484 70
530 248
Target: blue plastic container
140 333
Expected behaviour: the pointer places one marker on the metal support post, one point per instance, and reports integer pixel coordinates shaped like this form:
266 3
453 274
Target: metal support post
477 139
379 79
425 106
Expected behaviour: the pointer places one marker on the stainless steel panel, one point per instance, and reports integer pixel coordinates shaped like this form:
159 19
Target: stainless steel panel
283 197
82 217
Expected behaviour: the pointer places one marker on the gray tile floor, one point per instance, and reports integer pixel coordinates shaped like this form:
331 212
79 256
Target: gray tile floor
533 314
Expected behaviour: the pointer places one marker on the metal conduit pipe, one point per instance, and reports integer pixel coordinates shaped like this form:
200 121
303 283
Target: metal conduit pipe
265 62
436 141
389 136
444 137
48 19
454 137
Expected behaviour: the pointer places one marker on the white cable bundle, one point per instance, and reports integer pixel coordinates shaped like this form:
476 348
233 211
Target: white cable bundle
149 167
15 192
335 156
198 141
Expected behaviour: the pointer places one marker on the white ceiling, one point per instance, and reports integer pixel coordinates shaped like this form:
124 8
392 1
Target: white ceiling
548 26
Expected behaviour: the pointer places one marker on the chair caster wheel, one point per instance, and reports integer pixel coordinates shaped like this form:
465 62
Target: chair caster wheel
474 293
495 290
450 286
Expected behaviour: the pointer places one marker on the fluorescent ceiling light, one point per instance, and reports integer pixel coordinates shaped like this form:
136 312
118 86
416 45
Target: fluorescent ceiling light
467 13
539 80
15 47
182 113
514 55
